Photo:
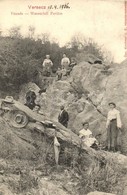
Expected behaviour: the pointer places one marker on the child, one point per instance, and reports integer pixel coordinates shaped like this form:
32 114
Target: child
64 72
36 108
71 65
59 74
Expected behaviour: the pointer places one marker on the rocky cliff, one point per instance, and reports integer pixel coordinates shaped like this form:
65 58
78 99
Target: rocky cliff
86 94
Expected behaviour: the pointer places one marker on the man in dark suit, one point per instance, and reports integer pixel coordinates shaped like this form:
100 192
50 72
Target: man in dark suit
63 117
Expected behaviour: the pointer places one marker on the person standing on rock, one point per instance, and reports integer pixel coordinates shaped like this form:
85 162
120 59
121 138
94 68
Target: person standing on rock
63 117
113 127
47 66
65 62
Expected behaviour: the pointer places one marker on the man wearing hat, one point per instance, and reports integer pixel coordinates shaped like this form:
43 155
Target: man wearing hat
113 127
63 117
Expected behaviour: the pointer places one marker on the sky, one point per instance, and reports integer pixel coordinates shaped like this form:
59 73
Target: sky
101 20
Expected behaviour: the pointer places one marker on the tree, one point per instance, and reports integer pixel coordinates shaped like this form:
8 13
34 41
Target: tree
45 37
31 32
14 32
80 44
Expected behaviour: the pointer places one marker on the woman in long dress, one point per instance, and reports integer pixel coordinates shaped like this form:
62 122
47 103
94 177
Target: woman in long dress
113 127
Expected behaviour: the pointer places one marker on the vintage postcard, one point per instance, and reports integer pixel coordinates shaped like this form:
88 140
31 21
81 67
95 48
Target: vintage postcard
63 97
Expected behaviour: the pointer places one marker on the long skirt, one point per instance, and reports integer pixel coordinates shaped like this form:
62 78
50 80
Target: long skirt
113 136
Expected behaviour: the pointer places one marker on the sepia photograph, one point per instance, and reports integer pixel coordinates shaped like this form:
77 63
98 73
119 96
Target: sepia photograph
63 97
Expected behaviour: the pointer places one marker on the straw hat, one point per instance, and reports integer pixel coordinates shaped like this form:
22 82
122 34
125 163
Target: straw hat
9 99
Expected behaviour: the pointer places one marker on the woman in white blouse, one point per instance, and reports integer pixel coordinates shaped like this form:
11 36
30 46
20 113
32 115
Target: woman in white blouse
65 62
113 126
47 65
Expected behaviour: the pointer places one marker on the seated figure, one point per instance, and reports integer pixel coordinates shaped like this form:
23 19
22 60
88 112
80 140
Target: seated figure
87 138
30 99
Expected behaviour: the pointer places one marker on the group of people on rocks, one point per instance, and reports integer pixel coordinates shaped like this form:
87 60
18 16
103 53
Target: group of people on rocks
113 124
113 127
66 66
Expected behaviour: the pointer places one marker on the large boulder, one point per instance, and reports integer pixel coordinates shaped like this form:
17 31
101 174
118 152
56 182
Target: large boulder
4 190
13 142
116 91
48 187
85 80
86 94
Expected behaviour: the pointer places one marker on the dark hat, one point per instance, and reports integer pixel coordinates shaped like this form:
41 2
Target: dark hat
62 107
40 91
85 123
112 103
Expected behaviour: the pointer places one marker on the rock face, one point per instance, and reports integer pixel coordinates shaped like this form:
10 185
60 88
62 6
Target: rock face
12 144
86 94
116 91
5 191
47 187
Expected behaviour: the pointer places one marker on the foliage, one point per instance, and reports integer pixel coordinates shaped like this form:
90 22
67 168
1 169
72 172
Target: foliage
86 172
21 60
21 57
15 32
100 173
79 44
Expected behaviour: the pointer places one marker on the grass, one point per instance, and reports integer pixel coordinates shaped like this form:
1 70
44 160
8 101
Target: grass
87 172
102 175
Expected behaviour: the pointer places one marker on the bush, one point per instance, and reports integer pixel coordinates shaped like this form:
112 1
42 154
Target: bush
21 60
